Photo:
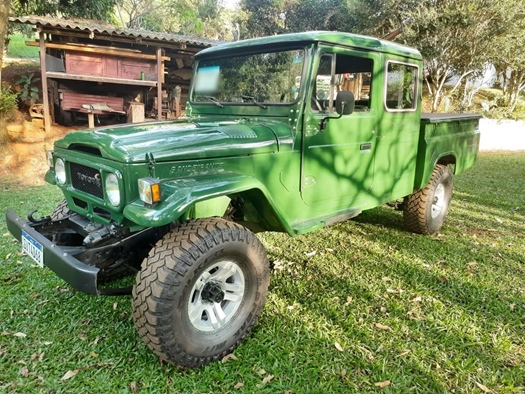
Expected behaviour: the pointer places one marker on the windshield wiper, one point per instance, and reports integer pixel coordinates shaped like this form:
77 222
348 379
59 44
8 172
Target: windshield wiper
252 99
214 100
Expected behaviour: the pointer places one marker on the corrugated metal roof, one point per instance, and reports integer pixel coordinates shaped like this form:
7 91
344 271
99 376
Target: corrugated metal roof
101 27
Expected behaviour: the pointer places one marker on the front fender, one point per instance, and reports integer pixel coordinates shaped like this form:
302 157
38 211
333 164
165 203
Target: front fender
178 195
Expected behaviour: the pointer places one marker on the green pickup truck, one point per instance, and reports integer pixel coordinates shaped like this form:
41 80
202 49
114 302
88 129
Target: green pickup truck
286 133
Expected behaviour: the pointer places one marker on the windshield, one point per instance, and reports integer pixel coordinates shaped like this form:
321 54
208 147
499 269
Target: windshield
273 77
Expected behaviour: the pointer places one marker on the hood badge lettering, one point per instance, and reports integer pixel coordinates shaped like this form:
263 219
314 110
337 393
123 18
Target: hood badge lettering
197 169
93 180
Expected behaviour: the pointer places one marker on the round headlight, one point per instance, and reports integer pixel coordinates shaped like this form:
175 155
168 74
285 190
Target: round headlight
60 171
112 190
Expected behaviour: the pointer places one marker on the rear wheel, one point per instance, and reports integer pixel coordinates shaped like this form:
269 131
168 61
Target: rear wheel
200 291
426 209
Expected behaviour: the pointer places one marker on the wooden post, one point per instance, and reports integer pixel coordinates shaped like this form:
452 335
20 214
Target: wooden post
47 118
91 120
160 79
177 107
135 112
176 104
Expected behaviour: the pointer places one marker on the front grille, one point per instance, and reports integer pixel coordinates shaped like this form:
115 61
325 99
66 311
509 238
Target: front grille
86 179
80 203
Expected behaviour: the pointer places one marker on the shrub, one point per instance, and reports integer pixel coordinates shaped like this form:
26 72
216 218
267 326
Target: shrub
7 101
29 94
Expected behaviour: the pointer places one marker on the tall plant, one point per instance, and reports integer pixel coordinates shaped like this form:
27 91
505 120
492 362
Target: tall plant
29 94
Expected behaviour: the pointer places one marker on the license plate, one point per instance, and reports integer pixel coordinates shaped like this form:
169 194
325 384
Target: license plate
32 248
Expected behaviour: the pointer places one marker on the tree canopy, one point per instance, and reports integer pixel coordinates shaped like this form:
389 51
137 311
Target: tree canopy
89 9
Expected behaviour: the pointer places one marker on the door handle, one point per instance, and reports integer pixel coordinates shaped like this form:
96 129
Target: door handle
366 146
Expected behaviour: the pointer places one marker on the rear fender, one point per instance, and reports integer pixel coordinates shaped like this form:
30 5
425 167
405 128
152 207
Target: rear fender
453 141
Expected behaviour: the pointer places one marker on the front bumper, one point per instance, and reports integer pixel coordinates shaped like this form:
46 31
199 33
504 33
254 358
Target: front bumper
59 259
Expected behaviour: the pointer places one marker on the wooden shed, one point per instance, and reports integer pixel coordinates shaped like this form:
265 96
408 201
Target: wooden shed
98 71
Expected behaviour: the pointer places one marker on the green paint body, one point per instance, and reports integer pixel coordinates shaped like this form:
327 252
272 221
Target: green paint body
293 175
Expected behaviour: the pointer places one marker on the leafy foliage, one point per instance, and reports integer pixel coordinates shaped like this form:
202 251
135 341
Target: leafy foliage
7 101
205 18
7 105
28 94
508 55
453 37
89 9
269 17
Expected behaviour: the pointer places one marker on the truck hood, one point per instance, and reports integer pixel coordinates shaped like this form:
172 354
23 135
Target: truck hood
176 140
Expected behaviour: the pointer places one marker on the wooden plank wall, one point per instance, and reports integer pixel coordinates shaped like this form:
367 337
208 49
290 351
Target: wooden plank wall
110 66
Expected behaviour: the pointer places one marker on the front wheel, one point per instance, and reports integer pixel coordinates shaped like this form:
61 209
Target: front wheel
200 291
426 209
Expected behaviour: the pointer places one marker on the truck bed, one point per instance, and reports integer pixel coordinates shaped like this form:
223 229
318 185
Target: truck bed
446 139
435 118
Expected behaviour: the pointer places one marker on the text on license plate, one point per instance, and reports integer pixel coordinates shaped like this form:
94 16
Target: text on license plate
32 248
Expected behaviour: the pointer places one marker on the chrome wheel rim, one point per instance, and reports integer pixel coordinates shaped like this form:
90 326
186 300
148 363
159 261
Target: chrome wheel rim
216 296
439 201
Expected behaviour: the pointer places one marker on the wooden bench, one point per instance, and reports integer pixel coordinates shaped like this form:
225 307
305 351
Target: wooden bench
91 104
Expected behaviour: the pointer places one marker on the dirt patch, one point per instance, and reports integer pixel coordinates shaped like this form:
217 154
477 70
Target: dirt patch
24 158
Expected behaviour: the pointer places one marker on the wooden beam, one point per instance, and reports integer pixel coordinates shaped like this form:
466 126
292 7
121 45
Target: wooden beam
93 78
45 95
160 79
182 56
98 50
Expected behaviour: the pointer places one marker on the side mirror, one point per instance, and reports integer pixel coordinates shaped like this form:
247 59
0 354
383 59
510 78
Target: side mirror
344 103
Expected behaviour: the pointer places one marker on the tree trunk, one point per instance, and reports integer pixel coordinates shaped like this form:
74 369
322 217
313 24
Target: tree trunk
516 86
4 14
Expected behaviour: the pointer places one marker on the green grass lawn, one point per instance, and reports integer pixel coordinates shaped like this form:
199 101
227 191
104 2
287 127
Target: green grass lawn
352 307
18 49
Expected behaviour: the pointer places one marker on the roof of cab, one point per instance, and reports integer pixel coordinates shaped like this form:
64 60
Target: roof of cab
338 38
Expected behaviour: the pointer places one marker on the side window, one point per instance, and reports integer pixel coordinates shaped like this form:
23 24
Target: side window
401 87
323 92
342 72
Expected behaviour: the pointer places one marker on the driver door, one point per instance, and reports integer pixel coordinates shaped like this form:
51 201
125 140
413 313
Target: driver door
338 159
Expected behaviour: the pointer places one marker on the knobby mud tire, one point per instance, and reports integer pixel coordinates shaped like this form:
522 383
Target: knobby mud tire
164 291
61 211
426 209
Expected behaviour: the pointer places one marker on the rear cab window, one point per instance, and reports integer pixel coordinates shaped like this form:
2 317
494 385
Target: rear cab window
401 87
